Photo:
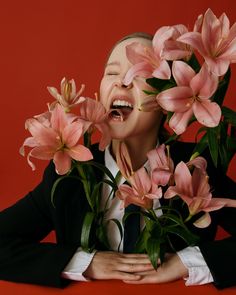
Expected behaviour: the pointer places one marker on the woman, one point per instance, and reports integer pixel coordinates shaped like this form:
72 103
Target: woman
24 259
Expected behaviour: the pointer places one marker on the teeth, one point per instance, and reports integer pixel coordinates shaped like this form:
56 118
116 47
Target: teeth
122 103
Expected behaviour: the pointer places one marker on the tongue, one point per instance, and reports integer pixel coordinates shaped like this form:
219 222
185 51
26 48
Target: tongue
122 112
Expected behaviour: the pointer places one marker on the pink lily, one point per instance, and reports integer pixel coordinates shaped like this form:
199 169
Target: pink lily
123 160
198 162
194 190
162 166
93 114
58 140
216 42
191 97
142 190
174 49
68 98
147 61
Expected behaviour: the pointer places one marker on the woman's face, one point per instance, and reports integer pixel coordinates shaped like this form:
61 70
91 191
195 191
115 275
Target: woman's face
114 95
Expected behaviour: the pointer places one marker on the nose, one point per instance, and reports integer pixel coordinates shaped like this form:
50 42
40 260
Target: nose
121 84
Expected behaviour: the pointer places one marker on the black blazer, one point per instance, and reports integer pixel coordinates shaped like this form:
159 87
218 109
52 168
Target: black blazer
23 258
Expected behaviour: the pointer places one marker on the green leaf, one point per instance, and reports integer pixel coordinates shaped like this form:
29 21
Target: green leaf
219 95
140 246
86 230
118 224
193 62
153 250
160 84
87 139
104 170
213 136
184 234
171 217
148 92
96 195
224 156
173 137
102 236
229 115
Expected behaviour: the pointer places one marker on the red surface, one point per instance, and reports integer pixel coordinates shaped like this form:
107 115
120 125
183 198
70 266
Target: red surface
43 41
113 288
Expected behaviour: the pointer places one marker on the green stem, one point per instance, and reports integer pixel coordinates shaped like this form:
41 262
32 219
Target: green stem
85 184
195 155
188 218
153 214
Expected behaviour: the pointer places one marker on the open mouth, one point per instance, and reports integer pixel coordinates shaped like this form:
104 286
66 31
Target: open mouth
120 110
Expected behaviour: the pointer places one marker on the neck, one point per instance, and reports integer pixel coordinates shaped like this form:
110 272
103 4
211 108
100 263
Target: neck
138 149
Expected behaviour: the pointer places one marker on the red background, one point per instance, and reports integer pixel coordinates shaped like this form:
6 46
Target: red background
43 41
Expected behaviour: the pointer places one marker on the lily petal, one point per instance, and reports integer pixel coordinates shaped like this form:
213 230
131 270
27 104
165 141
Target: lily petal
176 99
123 160
72 133
183 179
80 153
142 69
163 71
194 39
207 113
182 73
204 84
42 152
161 35
140 180
62 162
179 121
203 221
218 66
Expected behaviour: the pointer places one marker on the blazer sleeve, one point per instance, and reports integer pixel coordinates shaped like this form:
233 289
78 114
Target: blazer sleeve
220 255
23 258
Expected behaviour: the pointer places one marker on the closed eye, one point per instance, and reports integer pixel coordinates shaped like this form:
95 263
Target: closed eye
112 73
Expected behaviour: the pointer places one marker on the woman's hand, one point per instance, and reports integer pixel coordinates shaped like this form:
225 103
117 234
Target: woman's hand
113 265
172 269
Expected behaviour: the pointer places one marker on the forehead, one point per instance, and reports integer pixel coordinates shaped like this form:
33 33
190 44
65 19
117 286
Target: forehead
119 51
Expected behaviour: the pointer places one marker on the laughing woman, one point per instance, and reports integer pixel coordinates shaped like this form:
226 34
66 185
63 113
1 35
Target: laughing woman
24 258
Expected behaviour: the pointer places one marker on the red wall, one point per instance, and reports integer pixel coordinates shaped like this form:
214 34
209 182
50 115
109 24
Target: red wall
42 41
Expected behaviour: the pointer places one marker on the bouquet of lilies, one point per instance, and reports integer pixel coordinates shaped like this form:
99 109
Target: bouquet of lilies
187 181
65 137
187 91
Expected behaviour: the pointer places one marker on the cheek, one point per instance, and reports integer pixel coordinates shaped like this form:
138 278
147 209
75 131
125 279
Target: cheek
140 85
103 92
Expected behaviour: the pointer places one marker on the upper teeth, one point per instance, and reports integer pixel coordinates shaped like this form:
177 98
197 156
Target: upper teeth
119 102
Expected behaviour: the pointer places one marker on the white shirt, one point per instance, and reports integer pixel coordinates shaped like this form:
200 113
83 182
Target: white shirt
191 257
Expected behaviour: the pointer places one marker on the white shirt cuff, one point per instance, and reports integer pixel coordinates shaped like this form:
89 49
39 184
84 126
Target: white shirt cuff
78 265
198 271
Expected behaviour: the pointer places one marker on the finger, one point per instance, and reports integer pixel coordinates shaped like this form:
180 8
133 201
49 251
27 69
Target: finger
134 260
147 273
135 268
144 280
148 277
134 255
123 276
